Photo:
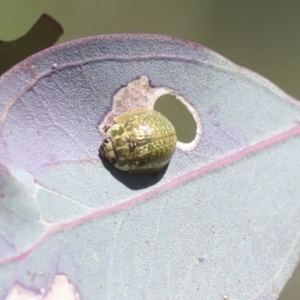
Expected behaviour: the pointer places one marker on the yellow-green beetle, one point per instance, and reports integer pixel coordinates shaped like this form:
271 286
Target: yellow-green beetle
141 141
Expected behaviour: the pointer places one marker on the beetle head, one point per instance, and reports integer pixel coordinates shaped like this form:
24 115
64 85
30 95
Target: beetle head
107 150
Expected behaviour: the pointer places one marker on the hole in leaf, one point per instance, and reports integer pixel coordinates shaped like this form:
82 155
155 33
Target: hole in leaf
179 115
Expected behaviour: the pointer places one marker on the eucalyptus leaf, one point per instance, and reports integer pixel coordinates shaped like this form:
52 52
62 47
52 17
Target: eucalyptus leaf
221 222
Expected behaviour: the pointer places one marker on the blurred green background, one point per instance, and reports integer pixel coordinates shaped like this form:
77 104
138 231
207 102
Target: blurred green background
260 35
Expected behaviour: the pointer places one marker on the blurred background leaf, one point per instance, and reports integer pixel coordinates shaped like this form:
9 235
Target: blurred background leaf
43 34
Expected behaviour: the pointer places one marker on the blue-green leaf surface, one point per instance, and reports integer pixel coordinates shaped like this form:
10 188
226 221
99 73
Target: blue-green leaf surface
222 222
